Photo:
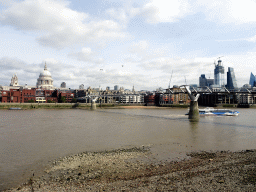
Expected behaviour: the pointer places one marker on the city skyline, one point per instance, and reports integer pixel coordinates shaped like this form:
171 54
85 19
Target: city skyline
110 42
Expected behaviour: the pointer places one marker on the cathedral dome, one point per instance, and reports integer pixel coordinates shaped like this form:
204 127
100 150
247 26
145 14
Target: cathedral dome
45 80
45 73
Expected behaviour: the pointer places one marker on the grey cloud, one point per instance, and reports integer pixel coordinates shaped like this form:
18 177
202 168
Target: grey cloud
57 30
74 75
87 55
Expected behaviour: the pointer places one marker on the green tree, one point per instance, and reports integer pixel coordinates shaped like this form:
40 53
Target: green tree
63 99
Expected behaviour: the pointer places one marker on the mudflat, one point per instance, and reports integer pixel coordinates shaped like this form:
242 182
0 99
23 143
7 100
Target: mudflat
135 169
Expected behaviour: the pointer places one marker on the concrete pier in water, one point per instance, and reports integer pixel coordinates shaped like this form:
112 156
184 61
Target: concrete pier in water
93 106
193 111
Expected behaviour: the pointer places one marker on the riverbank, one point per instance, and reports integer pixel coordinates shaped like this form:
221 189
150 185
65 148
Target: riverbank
26 106
135 169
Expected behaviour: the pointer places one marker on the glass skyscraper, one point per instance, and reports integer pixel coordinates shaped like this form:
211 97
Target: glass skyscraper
231 79
219 74
202 81
252 80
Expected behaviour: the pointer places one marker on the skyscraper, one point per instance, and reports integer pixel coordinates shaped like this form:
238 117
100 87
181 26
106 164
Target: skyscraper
81 86
252 80
231 79
219 74
63 85
202 81
116 87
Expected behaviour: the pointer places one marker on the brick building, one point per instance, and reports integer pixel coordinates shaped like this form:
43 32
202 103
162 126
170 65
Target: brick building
11 96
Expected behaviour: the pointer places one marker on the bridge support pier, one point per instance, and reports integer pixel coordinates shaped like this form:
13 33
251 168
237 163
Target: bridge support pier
193 111
93 106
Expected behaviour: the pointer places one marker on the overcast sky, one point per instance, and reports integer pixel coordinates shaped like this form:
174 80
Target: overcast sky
126 42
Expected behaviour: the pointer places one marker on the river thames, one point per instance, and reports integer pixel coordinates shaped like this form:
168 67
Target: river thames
29 139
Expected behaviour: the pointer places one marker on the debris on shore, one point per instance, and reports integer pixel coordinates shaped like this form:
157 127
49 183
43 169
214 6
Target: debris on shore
125 170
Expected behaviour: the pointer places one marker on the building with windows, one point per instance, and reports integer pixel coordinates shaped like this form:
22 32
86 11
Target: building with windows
81 86
246 98
63 85
231 79
219 74
252 80
203 81
116 87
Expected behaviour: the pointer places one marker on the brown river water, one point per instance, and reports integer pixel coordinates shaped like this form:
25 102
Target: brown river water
29 139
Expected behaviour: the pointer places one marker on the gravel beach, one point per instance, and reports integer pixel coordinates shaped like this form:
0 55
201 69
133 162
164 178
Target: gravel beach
136 170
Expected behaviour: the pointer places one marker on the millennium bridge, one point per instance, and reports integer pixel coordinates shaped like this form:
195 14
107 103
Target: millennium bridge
215 96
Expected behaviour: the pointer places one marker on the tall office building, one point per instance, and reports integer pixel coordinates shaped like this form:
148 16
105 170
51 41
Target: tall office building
202 81
63 85
219 74
81 86
210 82
231 79
252 81
116 87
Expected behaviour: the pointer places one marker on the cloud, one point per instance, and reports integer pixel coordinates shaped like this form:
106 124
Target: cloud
159 11
251 39
117 13
180 69
123 14
226 11
24 71
57 25
72 74
6 2
222 11
86 55
142 51
138 47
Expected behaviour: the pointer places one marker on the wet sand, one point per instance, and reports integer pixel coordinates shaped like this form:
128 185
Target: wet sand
136 169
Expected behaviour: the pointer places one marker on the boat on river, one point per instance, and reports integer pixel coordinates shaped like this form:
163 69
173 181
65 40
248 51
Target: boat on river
223 112
14 108
209 111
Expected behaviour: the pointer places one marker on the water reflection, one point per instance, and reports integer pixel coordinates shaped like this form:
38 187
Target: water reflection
194 131
193 123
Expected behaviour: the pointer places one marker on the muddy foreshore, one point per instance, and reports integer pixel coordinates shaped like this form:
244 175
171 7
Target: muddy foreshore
135 170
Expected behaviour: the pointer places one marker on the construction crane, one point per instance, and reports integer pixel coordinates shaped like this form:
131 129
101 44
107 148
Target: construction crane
170 81
218 60
220 57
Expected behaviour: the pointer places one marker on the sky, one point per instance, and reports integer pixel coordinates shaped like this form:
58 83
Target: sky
146 43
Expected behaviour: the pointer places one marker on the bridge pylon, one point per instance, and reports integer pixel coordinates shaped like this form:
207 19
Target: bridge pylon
193 109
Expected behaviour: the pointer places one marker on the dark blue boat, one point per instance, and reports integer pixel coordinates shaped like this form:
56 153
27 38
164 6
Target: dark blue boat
15 108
